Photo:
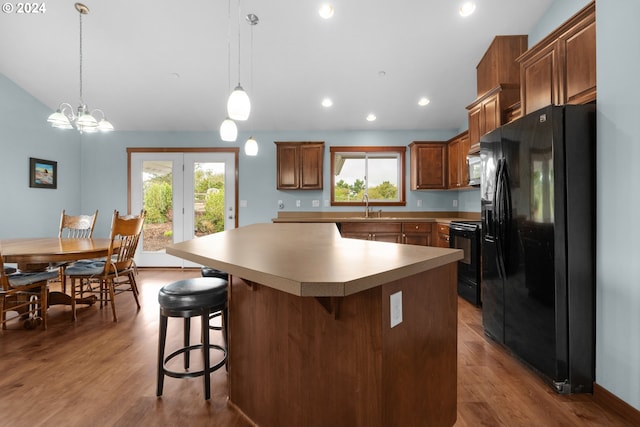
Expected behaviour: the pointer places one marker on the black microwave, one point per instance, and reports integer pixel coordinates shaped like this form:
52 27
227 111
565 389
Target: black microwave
474 168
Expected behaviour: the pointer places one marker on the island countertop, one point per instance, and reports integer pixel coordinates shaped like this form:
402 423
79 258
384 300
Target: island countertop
310 259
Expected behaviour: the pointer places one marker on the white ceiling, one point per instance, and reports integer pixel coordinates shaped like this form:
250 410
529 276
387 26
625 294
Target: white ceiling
133 50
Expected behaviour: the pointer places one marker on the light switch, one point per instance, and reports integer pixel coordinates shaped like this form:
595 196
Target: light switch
297 203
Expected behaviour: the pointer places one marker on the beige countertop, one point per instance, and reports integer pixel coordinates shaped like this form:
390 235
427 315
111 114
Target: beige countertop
339 217
310 259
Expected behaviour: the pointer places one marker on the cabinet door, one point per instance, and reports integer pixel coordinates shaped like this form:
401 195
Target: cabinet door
416 233
428 163
464 169
491 113
442 235
383 231
540 83
454 153
311 157
287 167
475 128
580 65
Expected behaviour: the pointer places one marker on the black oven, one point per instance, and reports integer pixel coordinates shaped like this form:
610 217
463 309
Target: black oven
465 235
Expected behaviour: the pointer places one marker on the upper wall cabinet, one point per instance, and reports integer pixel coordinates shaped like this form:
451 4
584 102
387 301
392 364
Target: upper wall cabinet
489 112
498 79
428 165
457 149
498 65
561 68
299 165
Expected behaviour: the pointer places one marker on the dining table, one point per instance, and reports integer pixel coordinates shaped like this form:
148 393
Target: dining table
37 253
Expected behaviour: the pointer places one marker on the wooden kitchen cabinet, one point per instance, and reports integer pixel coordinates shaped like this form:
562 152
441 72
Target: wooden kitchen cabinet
381 231
299 165
561 68
428 165
498 65
457 150
416 233
489 112
441 233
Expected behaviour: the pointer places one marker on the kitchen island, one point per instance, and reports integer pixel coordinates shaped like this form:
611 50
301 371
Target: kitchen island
310 336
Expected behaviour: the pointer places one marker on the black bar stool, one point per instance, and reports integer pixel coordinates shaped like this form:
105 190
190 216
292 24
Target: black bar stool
187 298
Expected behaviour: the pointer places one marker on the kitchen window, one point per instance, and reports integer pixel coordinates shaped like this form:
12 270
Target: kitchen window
378 172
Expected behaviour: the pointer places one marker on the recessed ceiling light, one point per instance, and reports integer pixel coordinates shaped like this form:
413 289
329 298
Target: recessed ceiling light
371 117
327 102
423 101
326 10
467 8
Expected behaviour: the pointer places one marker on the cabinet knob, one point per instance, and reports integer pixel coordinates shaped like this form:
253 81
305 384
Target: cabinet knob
417 227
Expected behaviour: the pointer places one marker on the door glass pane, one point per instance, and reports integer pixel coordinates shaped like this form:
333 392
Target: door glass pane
208 197
157 191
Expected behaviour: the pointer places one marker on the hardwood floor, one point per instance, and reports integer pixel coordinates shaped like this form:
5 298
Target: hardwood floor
100 373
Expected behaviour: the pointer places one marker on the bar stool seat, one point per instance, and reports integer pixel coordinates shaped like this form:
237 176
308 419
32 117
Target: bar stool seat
187 298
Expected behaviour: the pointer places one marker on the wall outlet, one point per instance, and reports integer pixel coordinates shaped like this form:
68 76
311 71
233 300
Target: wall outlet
243 203
280 204
315 203
419 203
395 301
455 203
297 203
326 203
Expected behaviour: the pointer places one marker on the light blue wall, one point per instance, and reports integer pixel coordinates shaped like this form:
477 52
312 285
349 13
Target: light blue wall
558 12
24 133
618 253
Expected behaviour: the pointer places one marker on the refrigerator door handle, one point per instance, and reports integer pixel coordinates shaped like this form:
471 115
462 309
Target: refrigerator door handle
499 218
507 214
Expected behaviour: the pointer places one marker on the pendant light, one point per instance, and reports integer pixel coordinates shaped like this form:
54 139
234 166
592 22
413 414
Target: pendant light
239 105
251 146
83 119
228 128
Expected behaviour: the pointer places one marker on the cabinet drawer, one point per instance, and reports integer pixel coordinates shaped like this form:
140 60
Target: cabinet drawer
369 227
443 229
416 227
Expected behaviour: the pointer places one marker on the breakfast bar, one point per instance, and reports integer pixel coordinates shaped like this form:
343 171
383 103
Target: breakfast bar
325 330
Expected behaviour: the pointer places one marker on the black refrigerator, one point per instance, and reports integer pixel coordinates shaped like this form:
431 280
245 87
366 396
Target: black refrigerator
538 242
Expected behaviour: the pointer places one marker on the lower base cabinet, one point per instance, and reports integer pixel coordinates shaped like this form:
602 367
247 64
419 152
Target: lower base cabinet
441 232
411 233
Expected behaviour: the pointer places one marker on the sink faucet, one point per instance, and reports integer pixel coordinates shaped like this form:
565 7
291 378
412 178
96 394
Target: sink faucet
365 199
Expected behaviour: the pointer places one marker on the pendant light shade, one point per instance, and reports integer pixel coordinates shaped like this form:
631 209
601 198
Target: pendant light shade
228 130
251 147
239 105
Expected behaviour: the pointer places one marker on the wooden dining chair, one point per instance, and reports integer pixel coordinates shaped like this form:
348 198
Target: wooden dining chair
116 273
77 226
26 294
74 227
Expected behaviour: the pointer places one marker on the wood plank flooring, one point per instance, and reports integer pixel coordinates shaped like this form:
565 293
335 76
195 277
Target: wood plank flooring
98 373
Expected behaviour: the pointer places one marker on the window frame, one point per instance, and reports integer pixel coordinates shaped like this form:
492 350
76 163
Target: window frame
400 151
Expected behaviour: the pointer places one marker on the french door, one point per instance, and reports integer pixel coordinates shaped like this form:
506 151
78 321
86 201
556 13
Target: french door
185 195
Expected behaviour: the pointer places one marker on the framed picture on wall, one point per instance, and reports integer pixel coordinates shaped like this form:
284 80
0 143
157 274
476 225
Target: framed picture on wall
43 173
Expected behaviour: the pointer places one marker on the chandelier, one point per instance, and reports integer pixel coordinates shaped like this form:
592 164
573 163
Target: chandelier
83 119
